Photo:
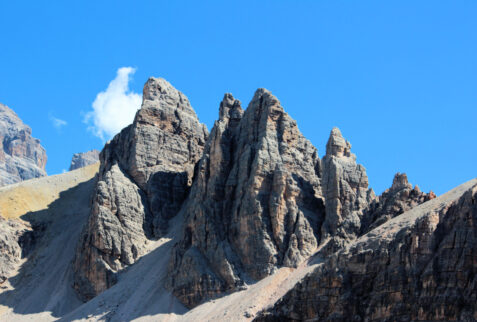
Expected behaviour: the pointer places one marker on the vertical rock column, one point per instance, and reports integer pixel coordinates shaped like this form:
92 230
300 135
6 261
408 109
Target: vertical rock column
345 187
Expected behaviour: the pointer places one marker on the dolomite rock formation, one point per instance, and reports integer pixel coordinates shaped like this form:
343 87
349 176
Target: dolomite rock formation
255 205
83 159
345 188
420 265
144 177
21 156
393 202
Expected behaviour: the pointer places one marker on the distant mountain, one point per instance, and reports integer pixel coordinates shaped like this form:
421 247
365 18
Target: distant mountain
245 222
21 156
84 159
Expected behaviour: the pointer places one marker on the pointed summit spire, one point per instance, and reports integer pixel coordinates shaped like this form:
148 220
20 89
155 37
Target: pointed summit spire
337 146
230 108
400 182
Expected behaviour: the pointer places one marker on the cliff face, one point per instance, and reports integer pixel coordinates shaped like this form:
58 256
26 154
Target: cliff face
420 265
256 203
83 159
345 187
144 176
21 156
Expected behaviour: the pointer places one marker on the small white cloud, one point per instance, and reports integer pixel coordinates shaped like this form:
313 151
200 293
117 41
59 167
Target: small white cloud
114 108
57 123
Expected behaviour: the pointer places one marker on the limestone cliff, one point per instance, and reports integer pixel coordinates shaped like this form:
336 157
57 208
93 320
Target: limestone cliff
255 205
21 156
145 174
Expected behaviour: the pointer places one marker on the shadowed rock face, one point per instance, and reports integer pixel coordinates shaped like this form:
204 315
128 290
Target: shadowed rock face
418 266
256 203
84 159
145 175
21 156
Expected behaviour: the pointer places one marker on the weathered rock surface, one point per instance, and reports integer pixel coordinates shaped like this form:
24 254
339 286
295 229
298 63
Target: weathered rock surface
84 159
10 249
345 188
394 201
21 156
144 177
420 265
255 205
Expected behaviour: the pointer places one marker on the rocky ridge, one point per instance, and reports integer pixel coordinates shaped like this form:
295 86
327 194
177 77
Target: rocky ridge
417 266
83 159
21 156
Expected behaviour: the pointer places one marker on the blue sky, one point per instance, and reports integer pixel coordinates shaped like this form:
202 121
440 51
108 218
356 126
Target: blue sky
399 78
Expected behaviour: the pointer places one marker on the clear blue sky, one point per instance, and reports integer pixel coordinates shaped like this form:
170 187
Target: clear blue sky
399 78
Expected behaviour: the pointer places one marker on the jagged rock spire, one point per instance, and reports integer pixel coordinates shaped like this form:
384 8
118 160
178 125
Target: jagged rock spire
256 204
345 187
393 202
337 146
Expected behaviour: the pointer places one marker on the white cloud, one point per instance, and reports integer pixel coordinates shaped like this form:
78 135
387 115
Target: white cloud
114 108
57 123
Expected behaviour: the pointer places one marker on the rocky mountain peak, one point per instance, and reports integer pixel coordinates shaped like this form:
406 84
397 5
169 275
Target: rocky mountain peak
337 146
230 109
393 202
346 191
21 156
145 175
400 182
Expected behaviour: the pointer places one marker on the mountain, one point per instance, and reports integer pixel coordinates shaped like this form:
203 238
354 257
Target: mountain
245 222
21 156
84 159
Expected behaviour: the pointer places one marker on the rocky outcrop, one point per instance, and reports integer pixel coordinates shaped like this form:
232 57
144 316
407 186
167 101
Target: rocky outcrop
394 201
144 177
417 266
345 188
255 205
10 249
21 156
83 159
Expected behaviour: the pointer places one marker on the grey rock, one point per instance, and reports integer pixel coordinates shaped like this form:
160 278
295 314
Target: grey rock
419 266
84 159
21 156
345 188
255 205
10 249
393 202
145 174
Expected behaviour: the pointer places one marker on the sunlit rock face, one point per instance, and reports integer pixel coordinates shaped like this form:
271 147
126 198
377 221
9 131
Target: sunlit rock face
145 175
256 203
21 156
